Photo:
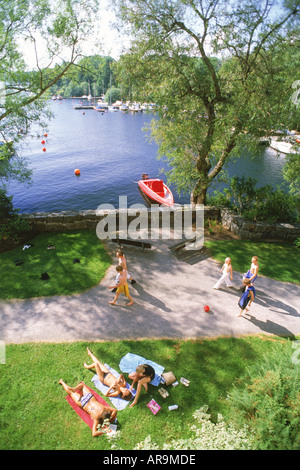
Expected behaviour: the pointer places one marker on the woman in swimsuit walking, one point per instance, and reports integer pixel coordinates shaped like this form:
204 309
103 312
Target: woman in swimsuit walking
85 400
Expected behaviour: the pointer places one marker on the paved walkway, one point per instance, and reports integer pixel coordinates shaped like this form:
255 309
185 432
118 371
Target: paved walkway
169 295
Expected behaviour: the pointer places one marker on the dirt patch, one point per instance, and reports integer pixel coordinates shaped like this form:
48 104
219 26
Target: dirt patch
219 234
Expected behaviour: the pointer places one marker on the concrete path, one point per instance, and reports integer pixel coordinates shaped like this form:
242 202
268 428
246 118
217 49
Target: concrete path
169 295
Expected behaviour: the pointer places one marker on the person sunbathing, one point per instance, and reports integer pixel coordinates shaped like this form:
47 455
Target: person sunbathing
142 376
85 400
117 387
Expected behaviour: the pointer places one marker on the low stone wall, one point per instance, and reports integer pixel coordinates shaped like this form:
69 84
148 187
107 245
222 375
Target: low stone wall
248 230
88 219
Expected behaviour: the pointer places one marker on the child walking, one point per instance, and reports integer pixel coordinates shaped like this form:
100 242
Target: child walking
246 298
121 287
226 275
122 262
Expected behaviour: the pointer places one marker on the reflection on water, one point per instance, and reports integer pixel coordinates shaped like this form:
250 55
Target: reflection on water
112 151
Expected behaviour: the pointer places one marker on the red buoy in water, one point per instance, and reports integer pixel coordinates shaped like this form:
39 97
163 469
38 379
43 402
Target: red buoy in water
45 135
44 150
42 142
77 172
206 308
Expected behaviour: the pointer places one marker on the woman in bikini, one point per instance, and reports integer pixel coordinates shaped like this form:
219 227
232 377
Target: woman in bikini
117 387
143 375
85 400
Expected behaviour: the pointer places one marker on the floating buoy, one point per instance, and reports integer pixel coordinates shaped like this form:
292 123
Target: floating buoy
44 150
45 135
77 172
42 142
206 308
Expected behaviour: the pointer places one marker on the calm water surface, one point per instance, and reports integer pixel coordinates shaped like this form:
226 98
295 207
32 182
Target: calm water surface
112 151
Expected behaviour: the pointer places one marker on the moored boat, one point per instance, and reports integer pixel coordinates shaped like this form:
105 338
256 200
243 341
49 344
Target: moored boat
156 190
284 147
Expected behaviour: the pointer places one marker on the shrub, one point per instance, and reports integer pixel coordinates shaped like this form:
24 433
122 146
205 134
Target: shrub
258 204
206 435
11 223
267 400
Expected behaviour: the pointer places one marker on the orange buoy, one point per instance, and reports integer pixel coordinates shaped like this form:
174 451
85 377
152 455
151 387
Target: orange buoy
45 135
206 308
77 172
44 150
42 142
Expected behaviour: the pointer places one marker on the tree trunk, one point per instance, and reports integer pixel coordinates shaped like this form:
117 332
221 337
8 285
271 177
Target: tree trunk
198 195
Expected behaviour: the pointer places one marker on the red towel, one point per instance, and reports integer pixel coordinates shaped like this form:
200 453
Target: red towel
83 414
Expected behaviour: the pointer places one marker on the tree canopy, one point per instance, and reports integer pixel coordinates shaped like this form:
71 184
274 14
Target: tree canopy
55 33
221 73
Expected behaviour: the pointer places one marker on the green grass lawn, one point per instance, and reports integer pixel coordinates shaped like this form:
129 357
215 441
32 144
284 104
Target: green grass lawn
35 415
66 277
279 261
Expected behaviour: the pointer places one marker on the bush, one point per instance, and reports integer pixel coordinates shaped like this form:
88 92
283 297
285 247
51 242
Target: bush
258 204
267 400
11 223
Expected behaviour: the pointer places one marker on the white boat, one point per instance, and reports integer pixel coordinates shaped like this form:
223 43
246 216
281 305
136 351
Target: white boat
134 109
284 147
124 107
113 108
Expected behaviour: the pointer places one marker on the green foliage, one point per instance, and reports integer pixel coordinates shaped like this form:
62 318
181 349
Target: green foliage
206 435
291 172
267 399
258 204
47 33
91 75
112 95
11 224
211 107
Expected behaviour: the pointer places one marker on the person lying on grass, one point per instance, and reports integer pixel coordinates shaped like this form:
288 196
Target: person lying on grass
142 375
85 400
117 387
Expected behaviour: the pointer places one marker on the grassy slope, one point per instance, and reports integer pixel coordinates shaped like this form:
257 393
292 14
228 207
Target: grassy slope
35 415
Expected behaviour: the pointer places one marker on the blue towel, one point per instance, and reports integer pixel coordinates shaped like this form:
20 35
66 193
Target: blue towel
130 362
118 402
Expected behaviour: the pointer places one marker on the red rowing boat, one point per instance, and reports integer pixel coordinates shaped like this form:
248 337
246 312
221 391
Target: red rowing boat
156 190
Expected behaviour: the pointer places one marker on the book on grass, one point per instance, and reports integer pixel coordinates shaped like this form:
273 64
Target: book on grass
153 406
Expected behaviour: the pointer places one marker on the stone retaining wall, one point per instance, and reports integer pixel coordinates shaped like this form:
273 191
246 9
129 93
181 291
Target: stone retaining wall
248 230
88 219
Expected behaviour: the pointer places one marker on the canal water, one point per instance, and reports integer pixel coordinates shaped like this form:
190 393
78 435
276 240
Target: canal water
111 150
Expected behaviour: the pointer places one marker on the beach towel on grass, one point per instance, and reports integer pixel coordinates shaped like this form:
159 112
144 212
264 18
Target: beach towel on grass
117 402
81 413
130 362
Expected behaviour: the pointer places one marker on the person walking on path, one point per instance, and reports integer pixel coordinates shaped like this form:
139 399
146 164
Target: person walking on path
252 273
121 287
122 262
226 275
246 298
